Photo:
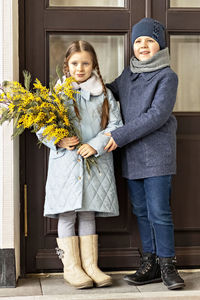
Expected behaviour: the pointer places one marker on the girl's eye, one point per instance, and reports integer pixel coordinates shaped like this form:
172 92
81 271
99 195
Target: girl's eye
86 63
151 41
74 63
138 41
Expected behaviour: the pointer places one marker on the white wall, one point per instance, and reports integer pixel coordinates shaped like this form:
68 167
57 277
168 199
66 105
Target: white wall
9 149
1 130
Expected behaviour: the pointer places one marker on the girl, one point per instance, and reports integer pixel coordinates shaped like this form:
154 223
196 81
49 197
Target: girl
70 192
147 93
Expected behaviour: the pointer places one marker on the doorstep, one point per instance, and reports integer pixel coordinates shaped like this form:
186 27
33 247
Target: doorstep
53 287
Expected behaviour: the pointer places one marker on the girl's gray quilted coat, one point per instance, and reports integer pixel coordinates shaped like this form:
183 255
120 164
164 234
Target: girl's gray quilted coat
69 186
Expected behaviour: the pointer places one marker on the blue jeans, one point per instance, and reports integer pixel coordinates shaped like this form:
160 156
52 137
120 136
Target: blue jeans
150 200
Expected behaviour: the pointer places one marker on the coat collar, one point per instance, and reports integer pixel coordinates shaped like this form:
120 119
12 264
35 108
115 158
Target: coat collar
91 87
146 75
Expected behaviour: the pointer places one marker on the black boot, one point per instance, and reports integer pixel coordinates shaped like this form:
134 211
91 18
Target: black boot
169 274
148 272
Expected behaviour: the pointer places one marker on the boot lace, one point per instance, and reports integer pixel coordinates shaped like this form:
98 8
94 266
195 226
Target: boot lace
169 268
145 267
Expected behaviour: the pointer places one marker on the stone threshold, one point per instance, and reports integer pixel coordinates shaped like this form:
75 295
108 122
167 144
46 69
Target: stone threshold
178 295
52 286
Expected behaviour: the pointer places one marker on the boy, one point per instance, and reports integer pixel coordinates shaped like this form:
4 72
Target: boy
147 93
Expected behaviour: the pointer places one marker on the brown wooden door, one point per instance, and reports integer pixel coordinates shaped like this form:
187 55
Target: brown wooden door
184 40
181 18
118 237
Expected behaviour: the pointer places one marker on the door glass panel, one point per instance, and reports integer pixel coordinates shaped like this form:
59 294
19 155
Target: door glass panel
109 49
97 3
184 3
185 61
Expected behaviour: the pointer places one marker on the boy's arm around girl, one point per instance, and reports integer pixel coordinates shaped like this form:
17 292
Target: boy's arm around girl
155 114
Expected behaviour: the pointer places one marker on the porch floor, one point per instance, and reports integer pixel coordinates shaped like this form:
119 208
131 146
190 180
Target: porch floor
52 286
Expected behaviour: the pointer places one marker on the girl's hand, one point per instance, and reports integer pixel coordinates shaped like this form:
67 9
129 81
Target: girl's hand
86 151
68 143
111 144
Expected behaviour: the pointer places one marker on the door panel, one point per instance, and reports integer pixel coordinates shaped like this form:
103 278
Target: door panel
99 3
184 3
185 54
183 35
48 31
111 46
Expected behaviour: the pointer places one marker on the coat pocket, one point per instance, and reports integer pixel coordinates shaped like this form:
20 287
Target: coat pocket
160 149
56 154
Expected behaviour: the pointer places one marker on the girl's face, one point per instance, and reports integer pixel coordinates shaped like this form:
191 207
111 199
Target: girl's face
145 47
80 66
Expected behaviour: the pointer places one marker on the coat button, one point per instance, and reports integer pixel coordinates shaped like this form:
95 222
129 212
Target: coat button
79 177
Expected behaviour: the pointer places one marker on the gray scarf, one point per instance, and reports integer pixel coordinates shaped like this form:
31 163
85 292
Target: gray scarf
158 61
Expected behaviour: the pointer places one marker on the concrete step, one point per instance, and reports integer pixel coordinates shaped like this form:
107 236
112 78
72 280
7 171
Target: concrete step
53 287
150 296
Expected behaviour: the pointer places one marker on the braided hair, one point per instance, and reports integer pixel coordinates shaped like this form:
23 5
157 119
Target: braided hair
78 46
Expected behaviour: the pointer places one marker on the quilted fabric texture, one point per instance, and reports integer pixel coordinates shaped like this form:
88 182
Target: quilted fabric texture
69 186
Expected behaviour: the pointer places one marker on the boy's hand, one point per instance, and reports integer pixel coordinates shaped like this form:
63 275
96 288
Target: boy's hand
111 144
69 143
86 151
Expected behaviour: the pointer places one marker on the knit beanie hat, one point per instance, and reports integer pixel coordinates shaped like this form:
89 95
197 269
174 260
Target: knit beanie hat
152 28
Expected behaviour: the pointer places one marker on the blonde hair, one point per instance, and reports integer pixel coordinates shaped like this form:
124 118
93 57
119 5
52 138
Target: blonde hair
78 46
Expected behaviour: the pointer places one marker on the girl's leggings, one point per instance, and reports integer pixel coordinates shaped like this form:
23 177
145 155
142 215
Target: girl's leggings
67 220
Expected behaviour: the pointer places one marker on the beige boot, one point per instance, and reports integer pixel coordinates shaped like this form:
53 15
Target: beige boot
89 258
73 272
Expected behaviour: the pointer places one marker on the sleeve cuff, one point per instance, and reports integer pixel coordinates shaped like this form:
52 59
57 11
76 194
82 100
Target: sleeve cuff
120 136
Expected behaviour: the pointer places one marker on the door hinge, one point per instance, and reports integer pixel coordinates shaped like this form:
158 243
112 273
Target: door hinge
25 212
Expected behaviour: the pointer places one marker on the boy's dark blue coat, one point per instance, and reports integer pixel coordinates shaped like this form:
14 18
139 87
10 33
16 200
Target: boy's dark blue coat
149 131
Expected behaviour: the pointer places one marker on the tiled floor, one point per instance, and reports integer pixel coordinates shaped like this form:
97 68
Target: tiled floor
49 287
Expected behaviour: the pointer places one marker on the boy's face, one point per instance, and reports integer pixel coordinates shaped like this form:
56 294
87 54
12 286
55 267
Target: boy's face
145 47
